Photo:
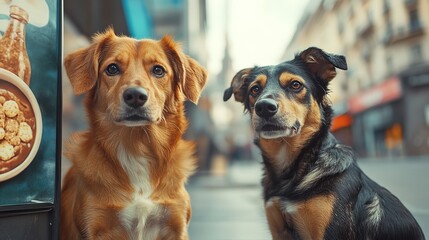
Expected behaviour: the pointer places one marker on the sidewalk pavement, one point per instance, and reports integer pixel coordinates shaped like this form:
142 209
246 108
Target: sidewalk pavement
228 207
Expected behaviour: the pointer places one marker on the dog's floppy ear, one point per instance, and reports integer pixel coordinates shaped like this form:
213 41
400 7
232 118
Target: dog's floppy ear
194 81
323 64
236 86
82 65
191 76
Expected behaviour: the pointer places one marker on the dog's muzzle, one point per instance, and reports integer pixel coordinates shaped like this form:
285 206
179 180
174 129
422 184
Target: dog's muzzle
134 111
270 124
266 108
135 97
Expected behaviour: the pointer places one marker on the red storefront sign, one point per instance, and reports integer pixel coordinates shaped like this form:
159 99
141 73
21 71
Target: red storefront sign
385 92
341 121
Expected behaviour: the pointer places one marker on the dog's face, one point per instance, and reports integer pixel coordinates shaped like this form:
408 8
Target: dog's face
278 100
282 98
134 82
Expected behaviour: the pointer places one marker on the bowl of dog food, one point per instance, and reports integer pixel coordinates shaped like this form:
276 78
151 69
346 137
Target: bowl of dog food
20 125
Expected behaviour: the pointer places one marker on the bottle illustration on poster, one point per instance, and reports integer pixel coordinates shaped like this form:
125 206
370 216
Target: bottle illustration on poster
12 45
14 55
20 117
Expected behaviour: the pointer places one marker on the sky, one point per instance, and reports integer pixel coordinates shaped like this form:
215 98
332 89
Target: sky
258 30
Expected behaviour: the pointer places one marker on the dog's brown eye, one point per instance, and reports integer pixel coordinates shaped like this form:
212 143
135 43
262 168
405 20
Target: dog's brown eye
158 71
295 85
255 90
112 70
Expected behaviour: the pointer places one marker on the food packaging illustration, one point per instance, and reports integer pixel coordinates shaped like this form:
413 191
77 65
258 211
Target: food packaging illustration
29 101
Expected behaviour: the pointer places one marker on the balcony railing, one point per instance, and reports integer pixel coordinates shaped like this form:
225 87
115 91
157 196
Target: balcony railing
411 3
366 28
399 34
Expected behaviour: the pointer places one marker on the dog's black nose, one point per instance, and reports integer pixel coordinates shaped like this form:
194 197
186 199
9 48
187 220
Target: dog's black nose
266 108
135 97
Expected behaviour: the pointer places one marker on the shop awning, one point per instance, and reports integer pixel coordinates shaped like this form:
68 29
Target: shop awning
385 92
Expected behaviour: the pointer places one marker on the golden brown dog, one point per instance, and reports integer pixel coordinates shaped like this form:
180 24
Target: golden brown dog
130 167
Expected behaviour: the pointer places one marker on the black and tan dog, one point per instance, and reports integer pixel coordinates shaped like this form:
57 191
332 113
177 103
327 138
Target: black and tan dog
313 187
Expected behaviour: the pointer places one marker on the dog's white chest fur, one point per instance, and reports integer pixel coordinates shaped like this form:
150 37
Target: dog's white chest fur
135 215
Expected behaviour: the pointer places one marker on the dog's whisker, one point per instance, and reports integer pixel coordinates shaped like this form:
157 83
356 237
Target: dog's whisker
177 127
147 135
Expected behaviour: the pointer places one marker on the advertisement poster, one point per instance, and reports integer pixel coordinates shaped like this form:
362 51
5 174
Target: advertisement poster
29 102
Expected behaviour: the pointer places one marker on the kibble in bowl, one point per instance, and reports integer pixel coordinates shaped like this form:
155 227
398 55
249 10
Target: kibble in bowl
20 125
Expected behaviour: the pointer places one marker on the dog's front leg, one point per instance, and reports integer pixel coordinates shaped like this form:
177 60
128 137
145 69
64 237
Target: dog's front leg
276 219
107 234
176 226
102 223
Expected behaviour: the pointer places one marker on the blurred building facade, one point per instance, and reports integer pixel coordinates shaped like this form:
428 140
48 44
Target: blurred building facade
382 101
234 136
185 20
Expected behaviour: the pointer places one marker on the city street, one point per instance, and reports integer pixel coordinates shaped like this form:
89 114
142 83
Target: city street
230 207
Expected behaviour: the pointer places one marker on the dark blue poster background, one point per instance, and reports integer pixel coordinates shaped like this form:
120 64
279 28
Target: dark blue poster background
36 183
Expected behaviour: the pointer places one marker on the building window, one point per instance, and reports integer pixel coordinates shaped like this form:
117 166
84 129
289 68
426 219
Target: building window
340 26
414 20
427 114
416 53
389 65
351 12
389 30
386 6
